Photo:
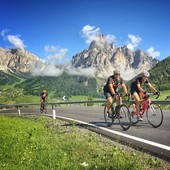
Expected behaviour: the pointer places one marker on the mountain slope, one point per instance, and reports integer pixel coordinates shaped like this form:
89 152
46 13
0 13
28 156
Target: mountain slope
64 85
160 74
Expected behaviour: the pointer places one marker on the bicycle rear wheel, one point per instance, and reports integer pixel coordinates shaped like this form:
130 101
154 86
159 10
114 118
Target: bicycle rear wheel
124 117
154 115
132 110
109 119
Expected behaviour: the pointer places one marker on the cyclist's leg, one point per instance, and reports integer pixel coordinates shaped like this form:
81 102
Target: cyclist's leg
109 100
118 103
138 102
109 103
41 106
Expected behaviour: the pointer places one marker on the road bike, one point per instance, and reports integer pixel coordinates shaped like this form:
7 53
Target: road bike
43 108
154 113
122 114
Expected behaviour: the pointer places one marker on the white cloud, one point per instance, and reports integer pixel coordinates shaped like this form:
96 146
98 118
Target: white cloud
50 69
110 38
81 71
55 53
3 32
16 41
91 33
51 48
134 41
151 52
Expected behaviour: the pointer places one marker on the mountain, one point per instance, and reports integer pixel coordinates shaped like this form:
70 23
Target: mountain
105 58
18 61
17 67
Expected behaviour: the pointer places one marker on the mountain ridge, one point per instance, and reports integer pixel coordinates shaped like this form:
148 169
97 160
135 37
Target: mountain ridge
106 59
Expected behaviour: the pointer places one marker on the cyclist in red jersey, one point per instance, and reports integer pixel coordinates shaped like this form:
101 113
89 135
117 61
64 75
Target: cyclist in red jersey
138 92
110 90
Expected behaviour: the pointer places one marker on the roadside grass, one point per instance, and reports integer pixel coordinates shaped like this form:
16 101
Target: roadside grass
40 143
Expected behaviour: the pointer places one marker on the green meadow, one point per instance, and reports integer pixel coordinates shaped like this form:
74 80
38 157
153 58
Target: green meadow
39 143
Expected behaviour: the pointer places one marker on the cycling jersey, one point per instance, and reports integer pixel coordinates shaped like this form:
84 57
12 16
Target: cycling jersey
115 83
44 97
134 88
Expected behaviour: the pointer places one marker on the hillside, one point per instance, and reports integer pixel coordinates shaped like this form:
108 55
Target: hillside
8 78
64 85
160 74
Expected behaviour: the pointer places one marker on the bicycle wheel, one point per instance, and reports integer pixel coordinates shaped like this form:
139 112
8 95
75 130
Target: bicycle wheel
124 117
109 119
154 115
132 110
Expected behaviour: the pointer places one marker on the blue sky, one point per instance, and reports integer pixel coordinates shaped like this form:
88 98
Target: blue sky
60 29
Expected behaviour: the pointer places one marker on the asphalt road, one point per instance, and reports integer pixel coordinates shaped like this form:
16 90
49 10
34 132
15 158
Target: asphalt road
141 135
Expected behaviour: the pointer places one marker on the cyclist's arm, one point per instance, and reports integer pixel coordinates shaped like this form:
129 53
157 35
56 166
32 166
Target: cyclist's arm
140 88
112 91
152 88
124 88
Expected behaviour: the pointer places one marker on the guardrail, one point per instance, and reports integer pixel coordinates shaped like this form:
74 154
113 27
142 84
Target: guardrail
18 106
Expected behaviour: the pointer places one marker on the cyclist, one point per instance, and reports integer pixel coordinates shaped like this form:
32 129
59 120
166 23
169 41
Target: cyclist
43 99
138 92
110 90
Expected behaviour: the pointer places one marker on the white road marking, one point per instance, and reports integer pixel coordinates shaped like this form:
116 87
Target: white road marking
121 134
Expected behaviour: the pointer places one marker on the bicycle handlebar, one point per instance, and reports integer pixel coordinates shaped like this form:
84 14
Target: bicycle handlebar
148 95
158 94
125 95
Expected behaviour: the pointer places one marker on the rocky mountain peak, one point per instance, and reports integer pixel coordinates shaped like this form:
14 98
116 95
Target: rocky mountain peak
105 58
17 60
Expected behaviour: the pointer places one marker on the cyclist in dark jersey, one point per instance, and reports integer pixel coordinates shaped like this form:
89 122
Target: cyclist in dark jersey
138 92
110 90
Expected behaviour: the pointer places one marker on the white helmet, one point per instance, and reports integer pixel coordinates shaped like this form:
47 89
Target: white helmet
116 72
145 73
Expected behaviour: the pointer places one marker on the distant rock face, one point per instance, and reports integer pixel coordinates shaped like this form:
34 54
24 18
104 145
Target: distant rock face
101 57
105 58
18 60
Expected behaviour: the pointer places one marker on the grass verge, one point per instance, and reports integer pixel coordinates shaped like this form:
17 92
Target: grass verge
40 143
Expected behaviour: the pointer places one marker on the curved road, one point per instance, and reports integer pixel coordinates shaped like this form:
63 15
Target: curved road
141 135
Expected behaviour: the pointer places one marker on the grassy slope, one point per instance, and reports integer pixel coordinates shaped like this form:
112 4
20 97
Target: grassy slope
42 143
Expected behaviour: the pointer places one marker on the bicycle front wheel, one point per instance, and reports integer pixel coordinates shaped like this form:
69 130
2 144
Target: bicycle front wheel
124 117
154 115
109 118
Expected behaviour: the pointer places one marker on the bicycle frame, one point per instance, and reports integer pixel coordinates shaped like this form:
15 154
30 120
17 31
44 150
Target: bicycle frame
145 105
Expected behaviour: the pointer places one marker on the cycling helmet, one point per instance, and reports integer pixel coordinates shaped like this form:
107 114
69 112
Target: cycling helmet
145 73
116 72
44 91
